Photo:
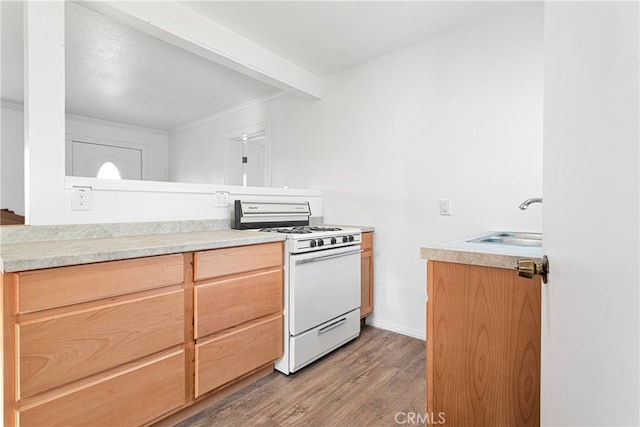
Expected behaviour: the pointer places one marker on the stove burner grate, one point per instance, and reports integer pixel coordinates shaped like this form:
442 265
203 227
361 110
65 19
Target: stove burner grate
299 230
325 228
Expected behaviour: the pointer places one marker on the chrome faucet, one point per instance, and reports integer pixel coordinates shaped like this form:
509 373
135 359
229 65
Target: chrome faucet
525 205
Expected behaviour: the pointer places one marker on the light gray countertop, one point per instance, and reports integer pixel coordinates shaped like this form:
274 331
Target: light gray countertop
25 248
22 256
483 254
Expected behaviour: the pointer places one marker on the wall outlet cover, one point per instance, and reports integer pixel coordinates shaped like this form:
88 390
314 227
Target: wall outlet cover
81 199
221 199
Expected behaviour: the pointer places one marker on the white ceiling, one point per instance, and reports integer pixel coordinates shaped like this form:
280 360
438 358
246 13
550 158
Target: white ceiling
328 36
116 73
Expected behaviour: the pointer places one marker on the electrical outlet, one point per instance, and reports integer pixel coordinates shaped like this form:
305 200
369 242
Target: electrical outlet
445 207
81 199
221 199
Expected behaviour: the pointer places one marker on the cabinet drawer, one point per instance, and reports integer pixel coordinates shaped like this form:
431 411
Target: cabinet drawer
54 351
133 397
241 259
227 303
57 287
231 355
367 241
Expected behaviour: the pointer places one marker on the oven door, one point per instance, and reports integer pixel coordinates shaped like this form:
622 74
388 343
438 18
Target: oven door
323 285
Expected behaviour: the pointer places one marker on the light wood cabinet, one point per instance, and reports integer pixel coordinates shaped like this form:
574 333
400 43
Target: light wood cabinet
61 348
90 282
83 360
366 275
238 315
132 396
131 342
231 354
483 345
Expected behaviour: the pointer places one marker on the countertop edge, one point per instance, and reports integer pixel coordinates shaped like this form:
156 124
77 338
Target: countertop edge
96 250
464 251
471 258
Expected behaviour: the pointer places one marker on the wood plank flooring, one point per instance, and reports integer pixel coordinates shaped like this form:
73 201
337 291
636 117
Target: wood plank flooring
365 383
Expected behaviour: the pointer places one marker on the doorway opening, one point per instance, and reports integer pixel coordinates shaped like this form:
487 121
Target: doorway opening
249 156
90 157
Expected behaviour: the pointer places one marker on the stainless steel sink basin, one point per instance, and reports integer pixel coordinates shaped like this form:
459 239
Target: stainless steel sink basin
512 238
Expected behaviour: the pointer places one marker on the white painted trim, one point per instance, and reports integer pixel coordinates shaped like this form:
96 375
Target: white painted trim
119 143
117 124
228 111
393 327
249 129
137 186
20 107
12 106
180 187
265 127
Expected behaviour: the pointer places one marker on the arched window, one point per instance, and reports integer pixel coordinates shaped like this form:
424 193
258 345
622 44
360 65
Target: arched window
108 171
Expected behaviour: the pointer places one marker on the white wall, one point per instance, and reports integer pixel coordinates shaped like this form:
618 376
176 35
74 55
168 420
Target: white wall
591 306
13 149
458 116
12 157
125 201
44 110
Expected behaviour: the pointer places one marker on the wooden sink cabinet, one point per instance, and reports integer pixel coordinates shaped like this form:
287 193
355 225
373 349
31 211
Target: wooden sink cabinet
131 342
483 345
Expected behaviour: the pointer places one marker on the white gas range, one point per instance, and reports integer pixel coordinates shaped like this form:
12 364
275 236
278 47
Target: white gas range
321 280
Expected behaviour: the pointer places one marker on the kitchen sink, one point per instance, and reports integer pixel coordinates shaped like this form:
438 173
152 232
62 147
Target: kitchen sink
513 238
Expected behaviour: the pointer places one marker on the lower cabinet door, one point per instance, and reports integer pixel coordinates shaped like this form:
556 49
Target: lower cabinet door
227 356
129 398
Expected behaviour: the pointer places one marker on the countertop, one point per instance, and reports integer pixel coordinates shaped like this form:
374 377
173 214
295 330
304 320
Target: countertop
22 256
35 247
483 254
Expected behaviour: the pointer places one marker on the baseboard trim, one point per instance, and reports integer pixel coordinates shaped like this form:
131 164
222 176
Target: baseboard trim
393 327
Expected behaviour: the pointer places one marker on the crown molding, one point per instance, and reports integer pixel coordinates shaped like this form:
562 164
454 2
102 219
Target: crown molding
20 107
228 111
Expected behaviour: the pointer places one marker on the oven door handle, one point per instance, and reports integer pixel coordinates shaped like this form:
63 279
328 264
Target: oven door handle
322 258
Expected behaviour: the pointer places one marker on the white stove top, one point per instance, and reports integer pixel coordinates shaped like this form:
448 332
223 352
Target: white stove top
308 238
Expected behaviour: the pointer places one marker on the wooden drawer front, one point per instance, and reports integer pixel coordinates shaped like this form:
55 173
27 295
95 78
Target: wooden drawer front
227 303
130 398
57 287
231 355
59 350
367 241
223 262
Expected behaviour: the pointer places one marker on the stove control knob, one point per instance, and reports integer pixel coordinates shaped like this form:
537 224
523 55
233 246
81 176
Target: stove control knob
333 240
320 242
351 238
345 239
312 243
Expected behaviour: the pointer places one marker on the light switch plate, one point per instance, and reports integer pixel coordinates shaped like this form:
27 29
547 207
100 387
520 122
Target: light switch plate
445 207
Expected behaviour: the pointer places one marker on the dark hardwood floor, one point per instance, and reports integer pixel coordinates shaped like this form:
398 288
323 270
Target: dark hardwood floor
365 383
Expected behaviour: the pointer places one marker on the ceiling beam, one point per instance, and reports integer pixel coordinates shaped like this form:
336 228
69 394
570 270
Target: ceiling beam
177 24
